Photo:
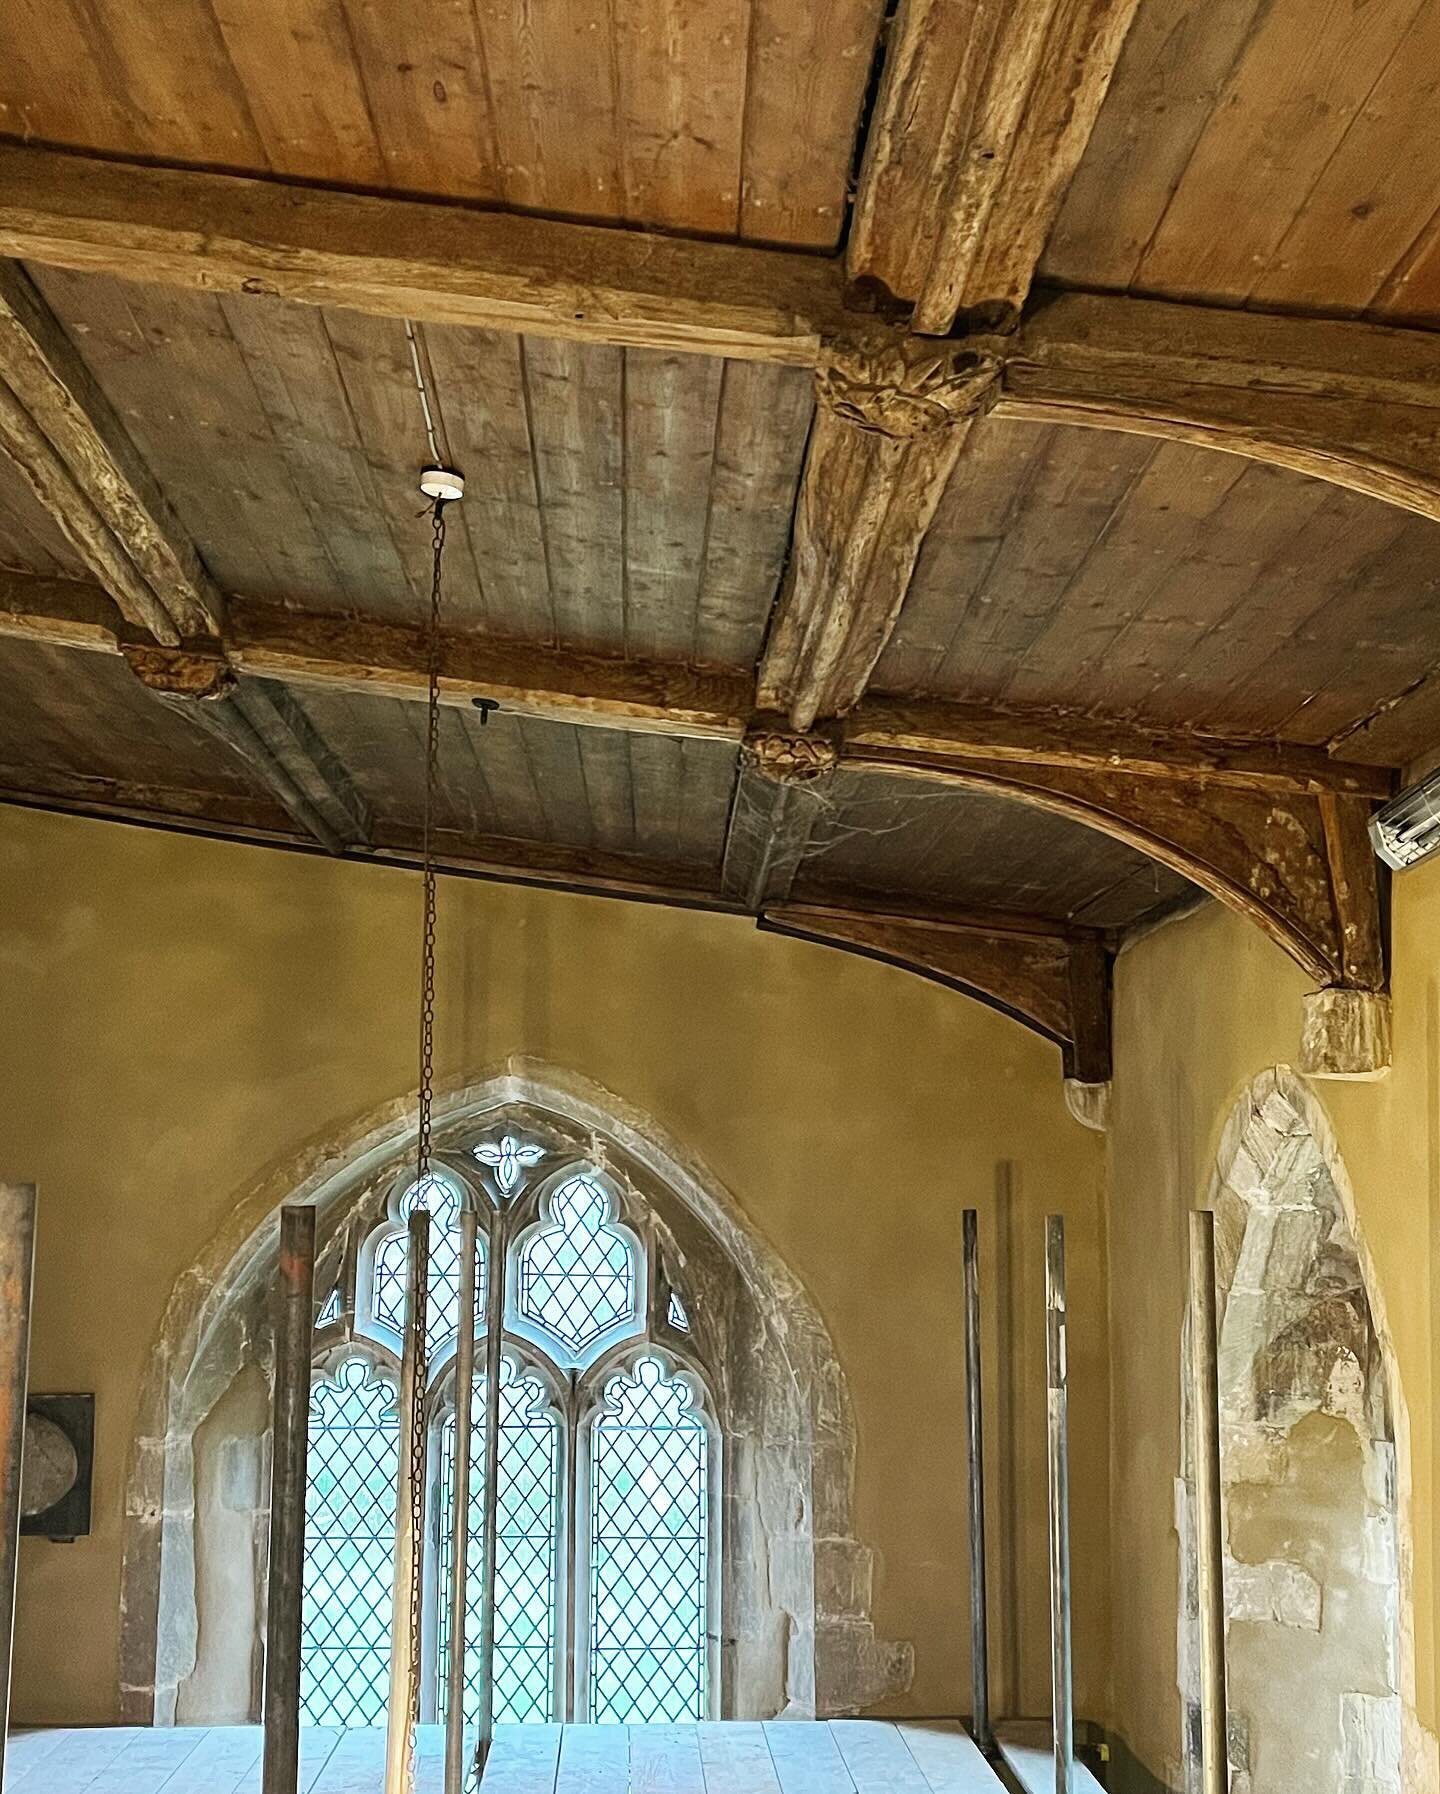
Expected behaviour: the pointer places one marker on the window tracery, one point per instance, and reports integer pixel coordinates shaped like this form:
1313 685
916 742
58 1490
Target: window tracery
612 1572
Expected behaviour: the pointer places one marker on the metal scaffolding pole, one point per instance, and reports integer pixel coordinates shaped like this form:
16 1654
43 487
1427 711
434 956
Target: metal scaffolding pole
1057 1387
975 1421
17 1276
294 1344
409 1521
494 1339
1209 1521
455 1765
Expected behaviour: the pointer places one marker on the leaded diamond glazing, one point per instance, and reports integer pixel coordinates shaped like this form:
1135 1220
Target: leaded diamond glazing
577 1276
349 1549
526 1557
443 1309
649 1538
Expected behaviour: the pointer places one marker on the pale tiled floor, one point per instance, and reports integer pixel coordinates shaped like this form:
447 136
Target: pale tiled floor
785 1757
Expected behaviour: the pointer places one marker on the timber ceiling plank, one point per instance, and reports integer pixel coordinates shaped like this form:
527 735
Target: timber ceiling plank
1178 586
680 116
1319 116
29 538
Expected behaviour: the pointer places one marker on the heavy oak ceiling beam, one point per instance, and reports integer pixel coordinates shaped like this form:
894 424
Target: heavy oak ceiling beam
982 117
927 738
64 437
1053 979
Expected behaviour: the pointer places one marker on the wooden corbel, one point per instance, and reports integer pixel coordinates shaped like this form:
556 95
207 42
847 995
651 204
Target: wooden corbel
891 417
260 722
1053 979
779 794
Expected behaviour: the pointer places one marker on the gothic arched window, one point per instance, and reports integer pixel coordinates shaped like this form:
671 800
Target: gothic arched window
607 1503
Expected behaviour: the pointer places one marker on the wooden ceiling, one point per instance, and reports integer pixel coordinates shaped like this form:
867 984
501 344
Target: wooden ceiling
1068 605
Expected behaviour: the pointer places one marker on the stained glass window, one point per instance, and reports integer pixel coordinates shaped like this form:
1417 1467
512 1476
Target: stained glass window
509 1158
387 1301
648 1548
577 1276
638 1525
526 1555
349 1549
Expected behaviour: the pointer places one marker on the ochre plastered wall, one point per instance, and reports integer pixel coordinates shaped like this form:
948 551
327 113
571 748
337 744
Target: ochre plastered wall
1203 1006
184 1017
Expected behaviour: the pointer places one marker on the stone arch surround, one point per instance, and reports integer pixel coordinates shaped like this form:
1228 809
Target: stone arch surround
798 1637
1315 1465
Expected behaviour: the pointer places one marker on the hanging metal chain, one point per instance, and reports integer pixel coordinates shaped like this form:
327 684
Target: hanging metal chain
432 758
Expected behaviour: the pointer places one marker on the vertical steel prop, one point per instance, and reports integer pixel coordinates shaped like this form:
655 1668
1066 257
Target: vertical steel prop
1209 1521
294 1343
975 1423
17 1276
455 1765
404 1700
1058 1400
494 1340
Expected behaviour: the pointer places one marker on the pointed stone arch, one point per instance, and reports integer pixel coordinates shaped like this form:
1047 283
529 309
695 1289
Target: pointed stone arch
798 1633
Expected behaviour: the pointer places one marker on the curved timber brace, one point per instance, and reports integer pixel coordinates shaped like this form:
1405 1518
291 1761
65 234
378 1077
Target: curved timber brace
1297 862
1053 979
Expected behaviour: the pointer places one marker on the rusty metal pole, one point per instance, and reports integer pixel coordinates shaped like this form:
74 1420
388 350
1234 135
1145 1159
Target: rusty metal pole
494 1340
455 1765
294 1343
17 1276
403 1708
1058 1413
1209 1512
975 1420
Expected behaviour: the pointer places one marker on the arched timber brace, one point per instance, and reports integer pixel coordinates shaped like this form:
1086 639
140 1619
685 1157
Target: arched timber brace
1298 864
1053 979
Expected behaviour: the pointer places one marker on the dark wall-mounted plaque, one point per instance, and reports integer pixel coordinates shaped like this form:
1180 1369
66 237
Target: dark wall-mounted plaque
59 1459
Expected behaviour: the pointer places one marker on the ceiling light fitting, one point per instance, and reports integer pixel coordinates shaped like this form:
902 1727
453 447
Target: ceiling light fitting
442 484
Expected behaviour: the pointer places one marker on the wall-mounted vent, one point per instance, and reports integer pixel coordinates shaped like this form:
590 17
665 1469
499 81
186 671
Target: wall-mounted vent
1407 829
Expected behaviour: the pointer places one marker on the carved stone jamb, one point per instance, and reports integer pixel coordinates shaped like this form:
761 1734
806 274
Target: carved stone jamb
892 414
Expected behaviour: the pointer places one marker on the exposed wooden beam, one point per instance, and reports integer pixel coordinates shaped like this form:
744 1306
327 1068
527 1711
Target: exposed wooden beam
1357 404
443 263
983 114
778 798
922 737
64 436
1055 980
1299 866
259 721
889 427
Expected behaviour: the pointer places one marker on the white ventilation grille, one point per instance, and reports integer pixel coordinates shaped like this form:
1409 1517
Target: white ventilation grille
1407 829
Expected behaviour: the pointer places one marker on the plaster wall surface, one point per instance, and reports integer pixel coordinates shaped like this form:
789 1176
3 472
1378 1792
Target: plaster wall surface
1203 1007
186 1018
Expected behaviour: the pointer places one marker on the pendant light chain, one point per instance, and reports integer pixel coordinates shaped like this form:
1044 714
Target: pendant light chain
432 758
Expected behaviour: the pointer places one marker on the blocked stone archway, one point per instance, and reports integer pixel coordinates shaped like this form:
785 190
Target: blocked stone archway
1313 1461
798 1637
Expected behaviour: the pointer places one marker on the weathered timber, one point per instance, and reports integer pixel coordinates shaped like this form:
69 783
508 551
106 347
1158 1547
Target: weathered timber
402 258
294 1345
981 121
49 381
364 655
1357 404
17 1271
889 427
1055 982
1270 855
778 798
259 720
913 733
